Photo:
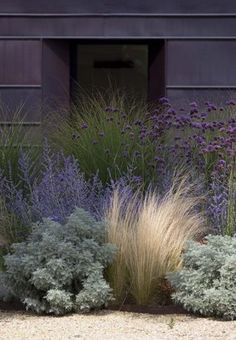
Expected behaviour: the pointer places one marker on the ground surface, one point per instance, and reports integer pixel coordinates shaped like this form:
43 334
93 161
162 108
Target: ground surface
112 325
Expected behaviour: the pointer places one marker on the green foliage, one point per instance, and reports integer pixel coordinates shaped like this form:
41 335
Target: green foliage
11 228
59 268
231 211
101 134
207 282
15 138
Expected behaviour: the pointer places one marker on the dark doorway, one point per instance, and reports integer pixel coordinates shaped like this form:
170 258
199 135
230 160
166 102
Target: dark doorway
137 68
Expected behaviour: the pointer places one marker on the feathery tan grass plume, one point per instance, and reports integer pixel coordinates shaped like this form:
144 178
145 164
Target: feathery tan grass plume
150 239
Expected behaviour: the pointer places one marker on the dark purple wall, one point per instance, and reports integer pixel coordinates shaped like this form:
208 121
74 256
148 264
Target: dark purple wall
117 6
117 27
197 58
56 73
20 62
20 77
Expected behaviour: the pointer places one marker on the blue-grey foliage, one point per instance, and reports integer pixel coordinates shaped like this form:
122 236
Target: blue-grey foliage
54 193
59 268
207 282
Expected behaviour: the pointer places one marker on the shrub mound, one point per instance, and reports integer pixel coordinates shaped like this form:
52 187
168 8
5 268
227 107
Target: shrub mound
207 282
59 268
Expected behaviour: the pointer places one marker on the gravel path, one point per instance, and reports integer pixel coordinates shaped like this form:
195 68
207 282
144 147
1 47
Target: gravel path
112 325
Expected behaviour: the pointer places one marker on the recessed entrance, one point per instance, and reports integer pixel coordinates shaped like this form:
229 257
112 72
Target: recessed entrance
134 67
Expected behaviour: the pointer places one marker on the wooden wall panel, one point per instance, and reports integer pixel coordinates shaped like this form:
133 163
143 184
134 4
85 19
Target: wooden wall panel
121 6
29 99
20 62
20 78
117 27
183 97
204 63
56 73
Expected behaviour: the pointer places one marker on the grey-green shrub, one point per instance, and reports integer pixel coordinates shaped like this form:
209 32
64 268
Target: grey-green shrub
59 268
5 291
207 282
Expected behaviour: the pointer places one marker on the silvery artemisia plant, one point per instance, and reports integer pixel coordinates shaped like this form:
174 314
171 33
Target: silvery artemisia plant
59 268
206 283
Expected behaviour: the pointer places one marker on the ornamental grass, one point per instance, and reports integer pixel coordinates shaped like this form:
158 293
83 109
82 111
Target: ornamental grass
150 235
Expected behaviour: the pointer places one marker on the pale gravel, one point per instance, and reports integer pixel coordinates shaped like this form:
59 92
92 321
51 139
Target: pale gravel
113 325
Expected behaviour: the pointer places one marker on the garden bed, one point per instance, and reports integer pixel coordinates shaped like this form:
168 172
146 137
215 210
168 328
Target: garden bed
108 210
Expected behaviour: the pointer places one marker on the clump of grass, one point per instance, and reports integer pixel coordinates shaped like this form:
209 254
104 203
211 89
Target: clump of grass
231 211
99 132
15 138
150 237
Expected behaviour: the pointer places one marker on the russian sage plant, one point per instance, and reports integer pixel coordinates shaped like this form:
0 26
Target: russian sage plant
59 268
55 192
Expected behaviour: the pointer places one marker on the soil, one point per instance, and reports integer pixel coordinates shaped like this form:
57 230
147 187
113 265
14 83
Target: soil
13 306
156 310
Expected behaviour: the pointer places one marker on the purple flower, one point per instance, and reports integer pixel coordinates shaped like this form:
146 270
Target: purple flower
193 104
163 100
196 125
221 164
193 111
138 122
84 126
108 109
231 102
115 110
171 111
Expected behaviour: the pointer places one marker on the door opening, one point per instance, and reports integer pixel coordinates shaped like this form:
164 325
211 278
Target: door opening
135 68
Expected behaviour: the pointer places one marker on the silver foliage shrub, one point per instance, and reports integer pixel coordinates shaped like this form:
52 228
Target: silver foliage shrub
207 282
59 268
5 293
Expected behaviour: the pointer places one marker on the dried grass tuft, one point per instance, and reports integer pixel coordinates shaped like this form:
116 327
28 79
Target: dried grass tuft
150 239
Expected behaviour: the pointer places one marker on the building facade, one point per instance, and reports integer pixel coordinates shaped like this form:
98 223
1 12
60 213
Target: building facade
183 49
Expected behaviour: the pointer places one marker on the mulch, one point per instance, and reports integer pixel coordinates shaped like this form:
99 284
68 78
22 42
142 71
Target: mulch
15 306
156 310
12 306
